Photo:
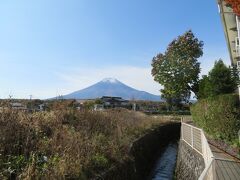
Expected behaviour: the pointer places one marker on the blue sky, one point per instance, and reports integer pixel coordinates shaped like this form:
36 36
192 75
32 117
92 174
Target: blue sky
50 47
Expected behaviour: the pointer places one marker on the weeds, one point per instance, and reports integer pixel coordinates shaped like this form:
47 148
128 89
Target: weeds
68 143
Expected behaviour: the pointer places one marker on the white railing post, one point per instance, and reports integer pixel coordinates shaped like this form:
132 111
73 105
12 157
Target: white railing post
192 135
181 130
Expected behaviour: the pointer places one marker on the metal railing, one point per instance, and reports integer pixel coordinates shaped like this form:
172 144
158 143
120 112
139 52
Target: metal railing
209 172
215 167
196 139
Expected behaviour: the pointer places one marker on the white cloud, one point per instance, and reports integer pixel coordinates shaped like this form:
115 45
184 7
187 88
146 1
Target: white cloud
136 77
77 78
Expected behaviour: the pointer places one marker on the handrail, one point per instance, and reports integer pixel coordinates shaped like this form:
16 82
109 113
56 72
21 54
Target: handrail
214 166
197 140
206 170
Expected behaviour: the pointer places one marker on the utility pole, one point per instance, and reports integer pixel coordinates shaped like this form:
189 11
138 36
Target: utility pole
10 97
30 96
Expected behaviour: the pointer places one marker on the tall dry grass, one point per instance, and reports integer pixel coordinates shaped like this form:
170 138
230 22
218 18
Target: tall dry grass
65 144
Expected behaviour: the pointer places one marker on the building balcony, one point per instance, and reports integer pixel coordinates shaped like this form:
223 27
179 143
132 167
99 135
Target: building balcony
237 47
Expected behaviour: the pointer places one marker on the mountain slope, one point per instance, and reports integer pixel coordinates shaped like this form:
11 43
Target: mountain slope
111 87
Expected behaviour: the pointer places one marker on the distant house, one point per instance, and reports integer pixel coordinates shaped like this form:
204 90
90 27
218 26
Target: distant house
41 107
79 106
18 106
98 107
82 101
112 102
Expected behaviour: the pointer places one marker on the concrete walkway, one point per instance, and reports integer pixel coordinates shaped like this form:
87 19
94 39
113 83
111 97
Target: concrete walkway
226 166
218 153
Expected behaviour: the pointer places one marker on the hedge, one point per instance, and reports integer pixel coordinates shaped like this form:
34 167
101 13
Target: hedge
168 113
218 116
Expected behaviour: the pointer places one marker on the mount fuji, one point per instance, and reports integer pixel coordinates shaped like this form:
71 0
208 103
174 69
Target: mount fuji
111 87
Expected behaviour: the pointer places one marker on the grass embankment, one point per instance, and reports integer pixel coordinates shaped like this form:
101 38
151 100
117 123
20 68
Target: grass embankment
67 143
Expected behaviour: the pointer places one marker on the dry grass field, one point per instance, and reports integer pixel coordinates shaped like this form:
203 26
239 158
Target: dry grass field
67 143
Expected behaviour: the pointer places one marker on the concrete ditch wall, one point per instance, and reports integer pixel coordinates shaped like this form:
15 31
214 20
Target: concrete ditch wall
190 163
144 152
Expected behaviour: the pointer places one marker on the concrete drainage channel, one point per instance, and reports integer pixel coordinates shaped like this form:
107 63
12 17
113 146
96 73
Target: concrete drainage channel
165 166
160 154
153 156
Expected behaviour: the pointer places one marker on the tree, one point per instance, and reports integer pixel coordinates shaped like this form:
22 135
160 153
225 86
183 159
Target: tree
98 101
205 88
221 80
178 68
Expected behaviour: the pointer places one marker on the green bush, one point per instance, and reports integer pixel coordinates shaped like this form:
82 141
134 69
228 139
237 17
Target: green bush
169 113
218 116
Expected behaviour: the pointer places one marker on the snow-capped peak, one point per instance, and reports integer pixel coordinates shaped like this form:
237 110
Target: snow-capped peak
110 80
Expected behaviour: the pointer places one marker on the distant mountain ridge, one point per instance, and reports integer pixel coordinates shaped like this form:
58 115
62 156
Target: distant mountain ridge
111 87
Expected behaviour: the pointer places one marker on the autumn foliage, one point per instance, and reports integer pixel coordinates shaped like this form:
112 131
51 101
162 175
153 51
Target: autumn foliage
235 4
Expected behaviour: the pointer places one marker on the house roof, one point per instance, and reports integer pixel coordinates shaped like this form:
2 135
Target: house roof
116 99
111 97
17 104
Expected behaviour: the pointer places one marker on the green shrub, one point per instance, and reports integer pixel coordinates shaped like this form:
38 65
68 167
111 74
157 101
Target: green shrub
218 116
170 112
99 161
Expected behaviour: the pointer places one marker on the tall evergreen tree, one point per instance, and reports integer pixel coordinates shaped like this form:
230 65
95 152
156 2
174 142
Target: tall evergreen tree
205 88
220 80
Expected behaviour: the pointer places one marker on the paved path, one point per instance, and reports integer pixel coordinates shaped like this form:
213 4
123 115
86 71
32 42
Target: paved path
226 166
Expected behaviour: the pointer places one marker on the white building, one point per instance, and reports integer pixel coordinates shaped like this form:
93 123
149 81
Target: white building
18 106
230 16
